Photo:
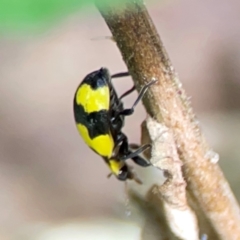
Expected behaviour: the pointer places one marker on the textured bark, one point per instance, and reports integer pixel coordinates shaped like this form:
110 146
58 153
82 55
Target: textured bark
166 102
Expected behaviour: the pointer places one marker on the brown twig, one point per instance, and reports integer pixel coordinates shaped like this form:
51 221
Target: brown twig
146 59
171 195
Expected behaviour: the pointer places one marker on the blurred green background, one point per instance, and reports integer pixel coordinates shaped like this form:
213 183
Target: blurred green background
18 15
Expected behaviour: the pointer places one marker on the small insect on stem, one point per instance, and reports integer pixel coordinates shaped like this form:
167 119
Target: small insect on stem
99 116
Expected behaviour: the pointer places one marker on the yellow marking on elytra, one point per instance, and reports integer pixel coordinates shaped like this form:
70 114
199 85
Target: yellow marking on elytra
93 100
102 144
115 166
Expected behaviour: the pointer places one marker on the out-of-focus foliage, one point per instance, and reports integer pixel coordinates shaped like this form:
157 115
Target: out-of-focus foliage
25 14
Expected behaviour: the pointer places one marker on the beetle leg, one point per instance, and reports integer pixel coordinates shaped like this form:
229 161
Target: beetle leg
134 146
141 161
121 74
137 159
123 149
129 111
124 153
120 137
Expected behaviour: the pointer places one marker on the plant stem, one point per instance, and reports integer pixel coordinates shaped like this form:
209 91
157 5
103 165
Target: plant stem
166 102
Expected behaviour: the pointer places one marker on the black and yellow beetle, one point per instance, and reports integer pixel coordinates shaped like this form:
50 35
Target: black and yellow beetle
99 116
